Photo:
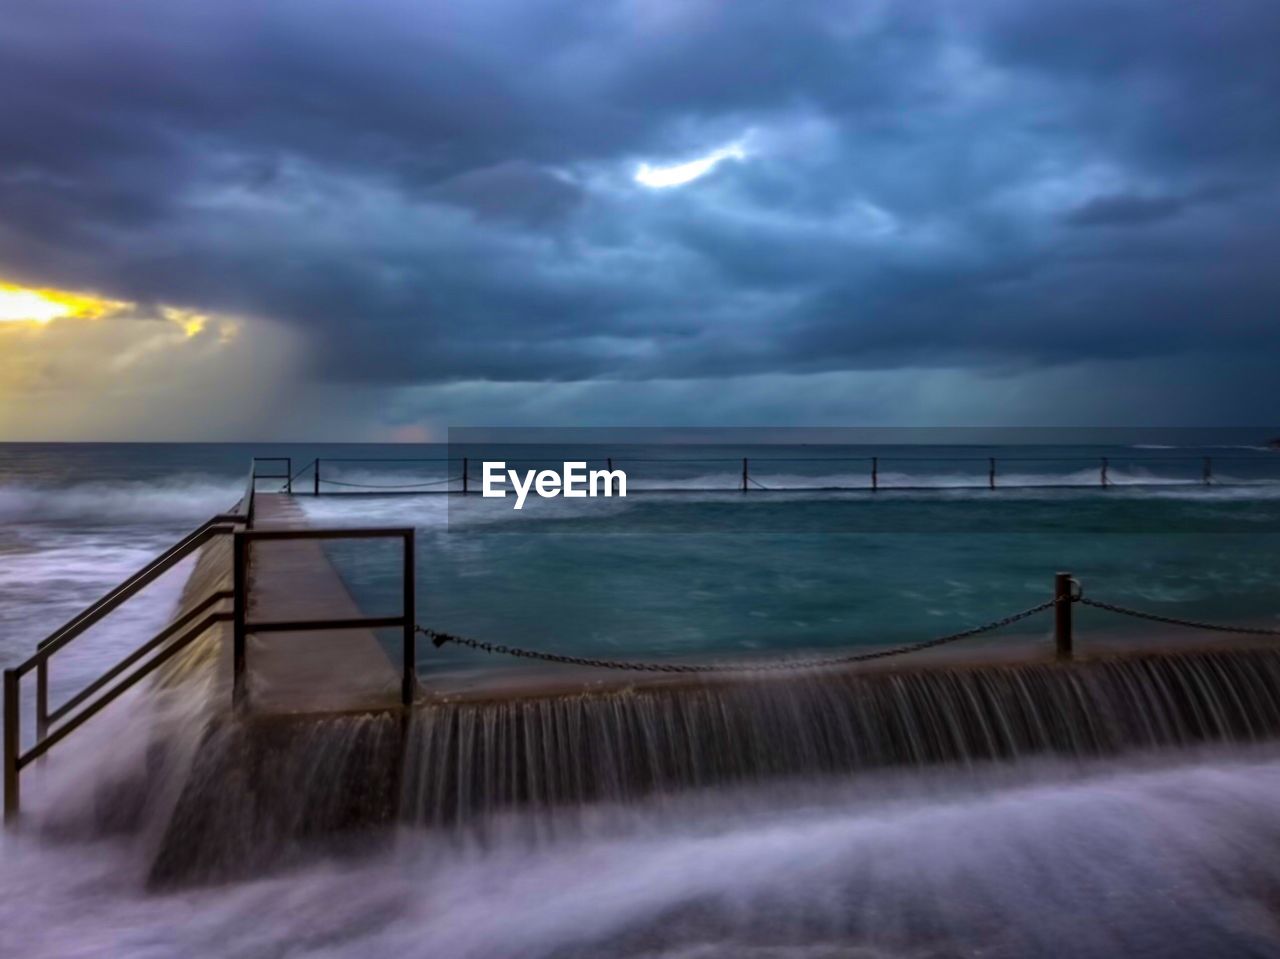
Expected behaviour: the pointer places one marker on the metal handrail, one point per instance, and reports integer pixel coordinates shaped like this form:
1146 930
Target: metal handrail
178 624
218 525
243 626
288 486
161 564
246 504
287 475
44 745
39 660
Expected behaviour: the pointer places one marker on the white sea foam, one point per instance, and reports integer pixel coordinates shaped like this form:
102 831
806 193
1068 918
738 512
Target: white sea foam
1098 856
52 580
184 500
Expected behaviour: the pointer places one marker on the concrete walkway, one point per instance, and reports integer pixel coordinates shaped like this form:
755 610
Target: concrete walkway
322 671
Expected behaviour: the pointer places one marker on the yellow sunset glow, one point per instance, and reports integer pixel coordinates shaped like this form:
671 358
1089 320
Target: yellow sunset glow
20 304
192 323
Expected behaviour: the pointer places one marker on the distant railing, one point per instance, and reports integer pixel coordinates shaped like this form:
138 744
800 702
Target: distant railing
983 472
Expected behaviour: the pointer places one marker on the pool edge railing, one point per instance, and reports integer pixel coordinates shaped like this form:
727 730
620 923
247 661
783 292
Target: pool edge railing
745 482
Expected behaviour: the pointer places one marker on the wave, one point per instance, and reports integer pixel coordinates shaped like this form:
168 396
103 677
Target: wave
1176 857
180 500
1209 446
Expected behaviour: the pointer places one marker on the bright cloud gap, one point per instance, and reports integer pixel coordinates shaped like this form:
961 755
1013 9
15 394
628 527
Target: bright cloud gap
23 305
664 177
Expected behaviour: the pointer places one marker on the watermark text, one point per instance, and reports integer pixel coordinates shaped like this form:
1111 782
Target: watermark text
573 481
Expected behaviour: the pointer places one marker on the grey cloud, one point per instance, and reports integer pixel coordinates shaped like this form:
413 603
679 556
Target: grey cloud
434 195
1121 209
514 190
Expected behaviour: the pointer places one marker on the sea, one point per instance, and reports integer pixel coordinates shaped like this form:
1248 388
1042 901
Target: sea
1159 853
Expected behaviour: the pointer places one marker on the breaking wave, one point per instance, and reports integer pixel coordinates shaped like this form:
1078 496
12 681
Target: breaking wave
179 500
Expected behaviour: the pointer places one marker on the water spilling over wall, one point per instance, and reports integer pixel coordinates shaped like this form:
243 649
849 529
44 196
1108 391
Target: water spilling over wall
262 789
256 791
555 750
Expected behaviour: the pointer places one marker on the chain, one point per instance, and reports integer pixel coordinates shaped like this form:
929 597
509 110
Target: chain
439 639
1191 623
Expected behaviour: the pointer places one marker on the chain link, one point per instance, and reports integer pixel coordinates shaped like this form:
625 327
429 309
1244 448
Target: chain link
439 639
1173 621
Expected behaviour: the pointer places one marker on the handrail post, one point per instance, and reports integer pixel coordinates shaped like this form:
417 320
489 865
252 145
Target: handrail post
464 475
991 473
42 699
10 744
1062 615
875 473
315 489
250 492
744 474
240 581
288 471
409 680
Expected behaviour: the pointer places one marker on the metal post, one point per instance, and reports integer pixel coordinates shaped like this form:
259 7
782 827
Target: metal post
240 582
875 473
409 681
42 700
315 491
991 473
1062 614
744 474
1104 472
288 472
10 744
464 476
1208 470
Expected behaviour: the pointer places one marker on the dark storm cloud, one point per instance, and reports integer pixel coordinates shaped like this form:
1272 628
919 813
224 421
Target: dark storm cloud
443 192
1125 208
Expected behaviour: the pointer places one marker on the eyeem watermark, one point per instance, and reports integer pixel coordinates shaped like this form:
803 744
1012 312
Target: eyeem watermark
574 481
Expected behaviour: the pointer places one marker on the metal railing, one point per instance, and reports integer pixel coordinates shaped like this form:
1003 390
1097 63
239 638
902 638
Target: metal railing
15 760
243 626
287 475
53 725
987 472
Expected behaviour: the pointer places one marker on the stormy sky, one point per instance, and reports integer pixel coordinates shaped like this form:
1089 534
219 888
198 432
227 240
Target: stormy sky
319 219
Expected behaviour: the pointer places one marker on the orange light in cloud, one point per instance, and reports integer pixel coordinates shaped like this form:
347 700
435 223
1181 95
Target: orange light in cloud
192 323
19 304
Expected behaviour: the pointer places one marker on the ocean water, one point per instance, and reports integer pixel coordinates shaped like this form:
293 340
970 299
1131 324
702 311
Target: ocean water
714 572
1148 854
